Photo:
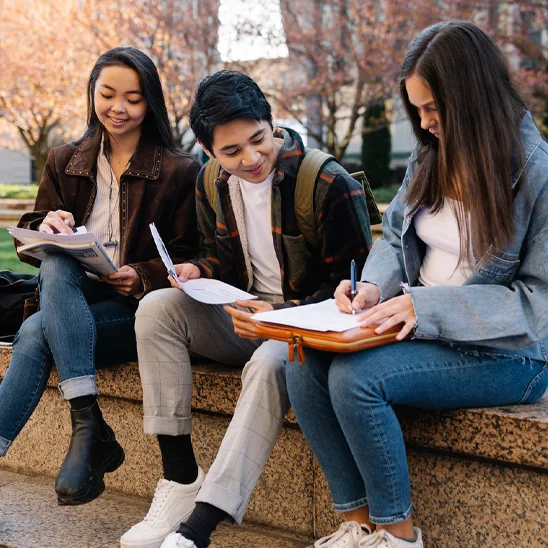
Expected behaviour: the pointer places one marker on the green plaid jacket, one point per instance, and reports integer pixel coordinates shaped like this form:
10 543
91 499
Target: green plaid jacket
309 274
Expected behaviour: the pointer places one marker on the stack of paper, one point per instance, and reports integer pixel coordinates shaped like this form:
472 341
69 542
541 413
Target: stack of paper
324 316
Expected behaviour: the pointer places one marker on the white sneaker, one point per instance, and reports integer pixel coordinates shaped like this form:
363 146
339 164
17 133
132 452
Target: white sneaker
172 503
382 539
176 540
348 536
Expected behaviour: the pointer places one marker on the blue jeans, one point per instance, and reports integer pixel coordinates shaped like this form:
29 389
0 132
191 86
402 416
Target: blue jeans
343 403
82 324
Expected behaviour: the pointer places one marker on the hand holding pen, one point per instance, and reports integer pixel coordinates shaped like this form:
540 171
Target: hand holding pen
367 295
58 222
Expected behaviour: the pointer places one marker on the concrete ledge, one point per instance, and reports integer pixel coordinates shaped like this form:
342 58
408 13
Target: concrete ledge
19 204
461 503
515 434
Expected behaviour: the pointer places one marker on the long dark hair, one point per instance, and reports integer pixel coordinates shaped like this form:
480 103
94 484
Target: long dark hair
156 122
480 112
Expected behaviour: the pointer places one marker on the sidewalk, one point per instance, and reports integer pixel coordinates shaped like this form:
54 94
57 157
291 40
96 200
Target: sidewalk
30 518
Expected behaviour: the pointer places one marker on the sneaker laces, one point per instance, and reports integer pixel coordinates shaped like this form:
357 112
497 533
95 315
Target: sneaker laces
351 527
380 539
161 493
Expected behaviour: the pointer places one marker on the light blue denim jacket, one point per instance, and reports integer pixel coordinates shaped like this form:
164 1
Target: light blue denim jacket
503 305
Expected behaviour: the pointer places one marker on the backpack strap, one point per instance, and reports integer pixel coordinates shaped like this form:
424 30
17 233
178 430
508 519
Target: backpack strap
211 172
309 170
375 216
311 166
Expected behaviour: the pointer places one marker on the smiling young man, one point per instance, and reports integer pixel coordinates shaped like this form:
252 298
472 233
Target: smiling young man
250 239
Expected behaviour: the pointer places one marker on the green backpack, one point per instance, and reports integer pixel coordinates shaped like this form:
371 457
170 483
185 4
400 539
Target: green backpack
309 170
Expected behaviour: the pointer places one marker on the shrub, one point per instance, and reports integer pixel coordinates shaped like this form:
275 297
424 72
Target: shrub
376 145
23 192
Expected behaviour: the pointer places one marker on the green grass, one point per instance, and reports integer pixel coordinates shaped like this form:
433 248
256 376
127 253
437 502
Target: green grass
8 257
23 192
385 194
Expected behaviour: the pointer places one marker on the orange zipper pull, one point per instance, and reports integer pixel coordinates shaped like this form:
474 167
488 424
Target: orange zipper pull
300 349
291 348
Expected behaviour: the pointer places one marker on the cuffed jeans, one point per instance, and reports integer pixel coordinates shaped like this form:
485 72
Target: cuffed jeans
81 323
168 325
343 403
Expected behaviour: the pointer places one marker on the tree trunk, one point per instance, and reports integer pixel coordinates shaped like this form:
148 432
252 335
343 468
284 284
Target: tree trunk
313 119
38 148
39 155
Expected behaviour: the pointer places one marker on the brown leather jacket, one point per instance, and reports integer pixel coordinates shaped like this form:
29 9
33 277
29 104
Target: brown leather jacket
158 186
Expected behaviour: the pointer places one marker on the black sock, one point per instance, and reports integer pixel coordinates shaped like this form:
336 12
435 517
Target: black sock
178 459
201 523
82 402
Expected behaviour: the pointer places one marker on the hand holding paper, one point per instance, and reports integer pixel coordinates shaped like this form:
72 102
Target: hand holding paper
201 289
244 325
184 272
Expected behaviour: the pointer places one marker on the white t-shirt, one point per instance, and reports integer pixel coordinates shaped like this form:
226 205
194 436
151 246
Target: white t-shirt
257 198
440 233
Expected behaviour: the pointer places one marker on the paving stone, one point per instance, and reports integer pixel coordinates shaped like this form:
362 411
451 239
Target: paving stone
31 518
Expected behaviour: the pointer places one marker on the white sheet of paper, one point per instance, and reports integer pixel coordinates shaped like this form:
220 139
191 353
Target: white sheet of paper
204 290
324 316
26 236
210 291
164 255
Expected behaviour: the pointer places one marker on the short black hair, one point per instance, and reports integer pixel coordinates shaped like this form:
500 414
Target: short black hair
223 97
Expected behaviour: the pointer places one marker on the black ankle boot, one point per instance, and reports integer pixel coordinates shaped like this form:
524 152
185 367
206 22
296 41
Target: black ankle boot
93 450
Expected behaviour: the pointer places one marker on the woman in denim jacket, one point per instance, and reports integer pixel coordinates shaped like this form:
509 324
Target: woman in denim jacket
461 265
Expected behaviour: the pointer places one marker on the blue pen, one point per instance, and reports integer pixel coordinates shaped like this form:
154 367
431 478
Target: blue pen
353 291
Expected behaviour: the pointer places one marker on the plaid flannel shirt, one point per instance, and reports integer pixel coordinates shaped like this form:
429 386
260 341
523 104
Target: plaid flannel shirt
309 274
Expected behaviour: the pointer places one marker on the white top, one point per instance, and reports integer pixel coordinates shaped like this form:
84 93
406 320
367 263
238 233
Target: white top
257 198
104 219
440 233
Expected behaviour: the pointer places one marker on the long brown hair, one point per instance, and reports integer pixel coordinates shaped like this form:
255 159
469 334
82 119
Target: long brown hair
480 112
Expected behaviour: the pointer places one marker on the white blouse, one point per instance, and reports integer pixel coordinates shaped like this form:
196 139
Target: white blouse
104 219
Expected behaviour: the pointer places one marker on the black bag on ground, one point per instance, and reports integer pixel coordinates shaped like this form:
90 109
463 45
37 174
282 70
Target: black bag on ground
15 289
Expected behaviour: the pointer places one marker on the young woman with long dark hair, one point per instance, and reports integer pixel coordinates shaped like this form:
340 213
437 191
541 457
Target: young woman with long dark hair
124 173
461 264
